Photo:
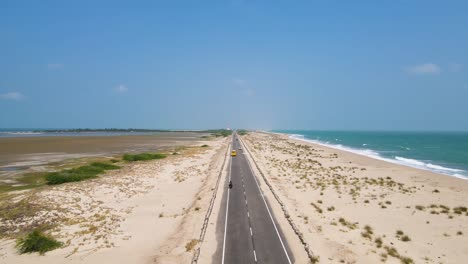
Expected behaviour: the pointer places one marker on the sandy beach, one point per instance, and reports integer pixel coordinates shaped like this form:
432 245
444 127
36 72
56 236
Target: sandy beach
354 209
146 212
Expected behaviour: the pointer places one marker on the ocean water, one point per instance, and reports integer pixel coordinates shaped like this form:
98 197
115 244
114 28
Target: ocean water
441 152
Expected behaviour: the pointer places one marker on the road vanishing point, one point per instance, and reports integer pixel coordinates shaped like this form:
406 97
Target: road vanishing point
250 233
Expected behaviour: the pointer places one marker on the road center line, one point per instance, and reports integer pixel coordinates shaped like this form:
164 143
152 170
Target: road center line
227 210
266 205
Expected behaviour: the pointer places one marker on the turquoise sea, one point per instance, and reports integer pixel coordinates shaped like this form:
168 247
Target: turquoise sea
442 152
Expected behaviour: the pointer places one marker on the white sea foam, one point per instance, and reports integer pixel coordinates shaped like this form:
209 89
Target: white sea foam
410 161
398 160
21 133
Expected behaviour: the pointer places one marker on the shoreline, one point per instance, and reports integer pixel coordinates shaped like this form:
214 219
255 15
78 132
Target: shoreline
374 155
352 208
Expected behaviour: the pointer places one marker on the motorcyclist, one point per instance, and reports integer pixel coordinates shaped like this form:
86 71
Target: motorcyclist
230 184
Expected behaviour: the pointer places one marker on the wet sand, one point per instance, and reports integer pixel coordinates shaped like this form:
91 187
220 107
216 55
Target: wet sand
22 153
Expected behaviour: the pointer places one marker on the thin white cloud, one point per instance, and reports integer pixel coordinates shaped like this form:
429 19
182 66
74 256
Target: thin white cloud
12 96
426 68
121 88
55 66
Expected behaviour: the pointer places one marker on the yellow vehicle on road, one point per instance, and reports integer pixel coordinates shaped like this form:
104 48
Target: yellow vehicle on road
233 153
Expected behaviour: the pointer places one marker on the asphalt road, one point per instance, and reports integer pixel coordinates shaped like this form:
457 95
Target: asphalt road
249 231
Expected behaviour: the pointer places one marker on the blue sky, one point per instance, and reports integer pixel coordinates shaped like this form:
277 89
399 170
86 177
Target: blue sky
379 65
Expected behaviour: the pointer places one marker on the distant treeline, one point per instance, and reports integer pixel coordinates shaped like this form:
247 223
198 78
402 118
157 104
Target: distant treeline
242 132
219 132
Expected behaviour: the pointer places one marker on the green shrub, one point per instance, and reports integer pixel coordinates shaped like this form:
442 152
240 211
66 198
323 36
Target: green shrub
104 166
143 156
37 242
191 245
420 207
204 146
378 241
78 174
405 238
242 132
220 132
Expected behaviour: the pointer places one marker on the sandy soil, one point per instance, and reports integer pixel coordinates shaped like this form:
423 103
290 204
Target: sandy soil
146 212
354 209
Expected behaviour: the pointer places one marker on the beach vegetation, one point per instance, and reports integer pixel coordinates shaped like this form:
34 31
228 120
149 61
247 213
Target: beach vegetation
346 223
314 259
378 242
23 182
366 235
420 207
384 256
405 238
220 132
368 232
15 211
36 241
394 253
191 245
78 174
317 208
368 229
459 233
460 210
143 156
204 146
401 235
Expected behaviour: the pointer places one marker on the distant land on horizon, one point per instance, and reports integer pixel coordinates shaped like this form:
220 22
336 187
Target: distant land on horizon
104 130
